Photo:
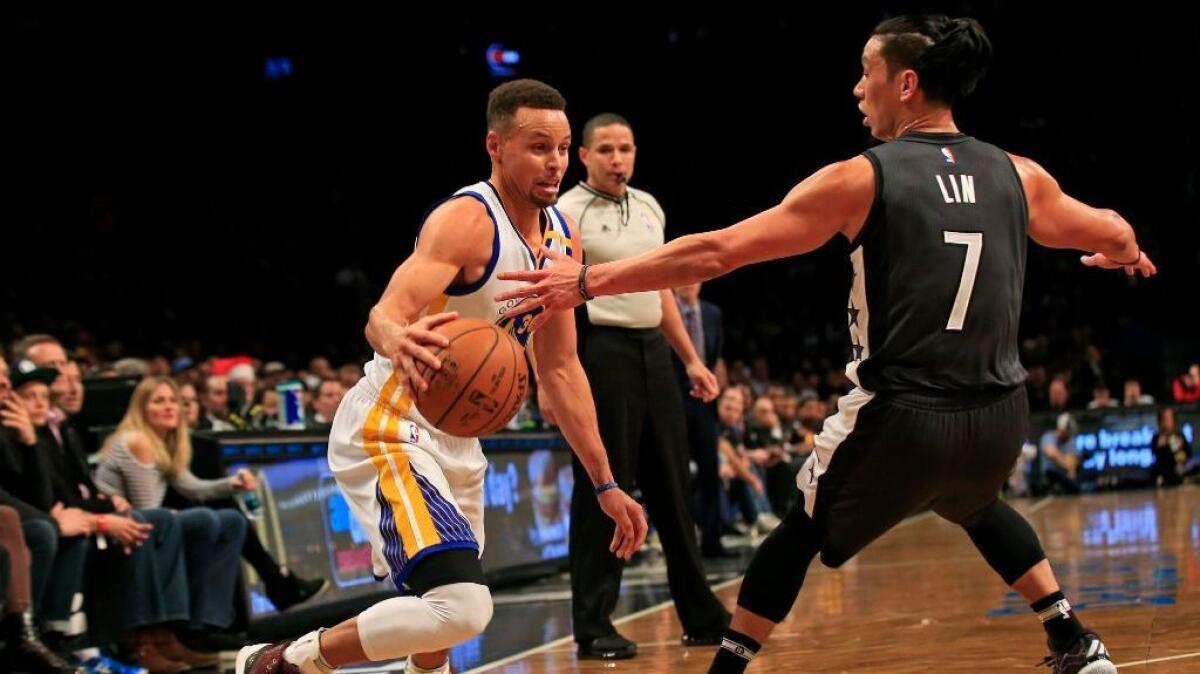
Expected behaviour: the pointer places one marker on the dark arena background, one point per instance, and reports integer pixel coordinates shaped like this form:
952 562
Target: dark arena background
216 191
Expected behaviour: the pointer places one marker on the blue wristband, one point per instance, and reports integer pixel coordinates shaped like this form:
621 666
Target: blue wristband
601 488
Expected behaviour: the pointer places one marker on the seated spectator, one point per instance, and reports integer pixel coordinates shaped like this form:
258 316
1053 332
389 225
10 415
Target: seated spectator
1186 388
264 411
319 366
1060 457
1059 395
1173 460
775 466
1101 398
275 373
19 626
329 395
1133 394
215 400
189 404
151 590
151 450
349 374
745 492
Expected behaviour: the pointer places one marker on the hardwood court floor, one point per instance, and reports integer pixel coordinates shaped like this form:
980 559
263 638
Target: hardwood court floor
921 600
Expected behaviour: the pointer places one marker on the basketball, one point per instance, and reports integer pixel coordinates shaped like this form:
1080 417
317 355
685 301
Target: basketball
482 382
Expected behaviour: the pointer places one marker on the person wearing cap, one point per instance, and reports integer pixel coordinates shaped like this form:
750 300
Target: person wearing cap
1060 456
20 625
143 546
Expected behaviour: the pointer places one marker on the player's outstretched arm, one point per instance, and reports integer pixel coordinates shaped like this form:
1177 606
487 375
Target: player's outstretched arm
835 199
1057 220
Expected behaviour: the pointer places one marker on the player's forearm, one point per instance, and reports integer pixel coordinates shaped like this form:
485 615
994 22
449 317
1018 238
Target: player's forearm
1116 239
575 411
378 322
673 330
686 260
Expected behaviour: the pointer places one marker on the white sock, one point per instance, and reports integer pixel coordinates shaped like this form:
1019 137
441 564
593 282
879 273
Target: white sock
305 653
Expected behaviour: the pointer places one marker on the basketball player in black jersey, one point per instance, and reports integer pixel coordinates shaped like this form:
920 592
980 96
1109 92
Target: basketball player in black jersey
937 223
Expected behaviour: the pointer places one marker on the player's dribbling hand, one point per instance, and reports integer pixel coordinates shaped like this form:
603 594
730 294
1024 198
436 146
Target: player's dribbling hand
1143 265
630 520
409 348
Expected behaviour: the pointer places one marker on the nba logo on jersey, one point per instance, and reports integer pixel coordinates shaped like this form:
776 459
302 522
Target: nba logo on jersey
948 156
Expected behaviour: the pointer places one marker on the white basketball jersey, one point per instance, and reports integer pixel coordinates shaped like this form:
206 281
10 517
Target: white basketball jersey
510 252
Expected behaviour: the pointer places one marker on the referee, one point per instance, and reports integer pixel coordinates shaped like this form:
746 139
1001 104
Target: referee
626 353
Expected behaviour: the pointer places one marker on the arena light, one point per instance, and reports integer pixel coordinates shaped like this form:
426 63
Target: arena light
500 61
277 67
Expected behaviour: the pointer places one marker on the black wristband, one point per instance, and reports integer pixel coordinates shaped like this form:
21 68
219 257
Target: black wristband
583 283
1135 260
601 488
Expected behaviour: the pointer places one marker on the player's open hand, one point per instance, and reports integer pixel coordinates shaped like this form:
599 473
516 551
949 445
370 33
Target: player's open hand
630 520
555 287
1143 265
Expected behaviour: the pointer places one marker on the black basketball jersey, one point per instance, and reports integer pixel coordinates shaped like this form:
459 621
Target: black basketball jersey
938 268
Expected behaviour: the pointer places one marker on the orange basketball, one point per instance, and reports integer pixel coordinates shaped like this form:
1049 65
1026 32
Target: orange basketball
482 382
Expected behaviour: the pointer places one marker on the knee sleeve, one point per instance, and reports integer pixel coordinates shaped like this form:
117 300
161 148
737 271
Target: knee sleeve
1005 540
777 571
443 617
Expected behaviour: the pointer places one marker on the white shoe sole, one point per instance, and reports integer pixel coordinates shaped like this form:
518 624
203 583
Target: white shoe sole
1099 667
244 654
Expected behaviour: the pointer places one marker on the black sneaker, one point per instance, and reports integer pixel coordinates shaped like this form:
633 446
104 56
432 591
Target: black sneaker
611 647
290 590
212 640
1086 655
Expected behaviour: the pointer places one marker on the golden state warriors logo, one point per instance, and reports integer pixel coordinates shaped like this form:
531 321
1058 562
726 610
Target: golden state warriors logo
518 324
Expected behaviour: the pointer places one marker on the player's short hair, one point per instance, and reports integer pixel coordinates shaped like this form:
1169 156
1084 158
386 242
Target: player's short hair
950 56
602 119
505 99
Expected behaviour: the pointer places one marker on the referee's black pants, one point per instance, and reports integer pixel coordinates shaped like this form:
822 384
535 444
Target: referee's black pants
641 422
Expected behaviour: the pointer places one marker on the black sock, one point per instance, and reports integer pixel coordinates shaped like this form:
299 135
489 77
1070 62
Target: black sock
736 651
1062 627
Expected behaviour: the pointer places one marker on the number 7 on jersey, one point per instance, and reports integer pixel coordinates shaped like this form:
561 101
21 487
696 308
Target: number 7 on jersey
974 243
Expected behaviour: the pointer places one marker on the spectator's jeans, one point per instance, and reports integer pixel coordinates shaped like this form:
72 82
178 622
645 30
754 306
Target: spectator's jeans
762 502
159 583
212 544
56 568
742 500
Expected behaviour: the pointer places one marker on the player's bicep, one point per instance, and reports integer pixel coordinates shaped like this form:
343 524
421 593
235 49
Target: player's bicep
835 199
455 236
1058 220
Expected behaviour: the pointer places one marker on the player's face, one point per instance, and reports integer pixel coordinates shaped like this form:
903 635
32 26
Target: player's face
610 158
533 157
878 95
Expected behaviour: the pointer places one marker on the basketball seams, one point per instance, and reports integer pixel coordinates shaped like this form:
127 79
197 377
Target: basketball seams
512 382
467 385
423 367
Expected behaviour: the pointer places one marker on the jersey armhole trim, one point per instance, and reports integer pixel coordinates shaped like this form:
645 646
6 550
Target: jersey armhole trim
1021 187
876 204
467 289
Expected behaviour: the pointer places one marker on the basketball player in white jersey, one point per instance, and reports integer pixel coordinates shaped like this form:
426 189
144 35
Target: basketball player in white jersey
418 492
